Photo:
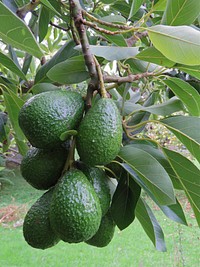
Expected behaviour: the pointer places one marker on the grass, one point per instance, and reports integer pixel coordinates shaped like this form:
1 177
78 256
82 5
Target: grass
129 248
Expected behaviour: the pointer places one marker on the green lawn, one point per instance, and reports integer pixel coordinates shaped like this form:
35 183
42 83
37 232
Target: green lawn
129 248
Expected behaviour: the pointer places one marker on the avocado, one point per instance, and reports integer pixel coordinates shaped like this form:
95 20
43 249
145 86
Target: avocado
100 182
100 133
45 116
42 168
36 228
105 233
75 212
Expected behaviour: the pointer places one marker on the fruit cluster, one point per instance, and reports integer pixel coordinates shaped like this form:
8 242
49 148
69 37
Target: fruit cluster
76 206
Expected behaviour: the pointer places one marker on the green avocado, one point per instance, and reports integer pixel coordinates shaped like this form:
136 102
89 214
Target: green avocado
42 168
75 212
36 228
100 133
100 182
44 117
105 233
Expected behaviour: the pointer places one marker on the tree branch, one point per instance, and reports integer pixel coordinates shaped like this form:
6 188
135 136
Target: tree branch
126 79
22 12
76 12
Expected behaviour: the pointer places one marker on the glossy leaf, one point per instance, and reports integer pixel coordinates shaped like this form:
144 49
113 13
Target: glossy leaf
151 54
9 63
173 212
48 4
3 120
135 5
167 108
180 44
64 53
186 129
181 12
160 5
14 32
151 172
188 95
124 201
192 70
43 24
13 105
70 71
150 225
112 52
189 176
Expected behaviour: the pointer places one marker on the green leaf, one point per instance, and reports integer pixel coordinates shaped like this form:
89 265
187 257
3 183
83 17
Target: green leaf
181 12
186 129
180 44
124 201
14 32
160 157
64 53
117 39
9 63
151 54
43 24
3 120
152 173
160 5
48 4
186 93
167 108
173 212
71 71
150 225
114 18
43 87
112 52
192 70
189 176
13 105
135 5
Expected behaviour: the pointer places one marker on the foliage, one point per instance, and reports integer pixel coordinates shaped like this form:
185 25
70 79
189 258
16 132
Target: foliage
146 55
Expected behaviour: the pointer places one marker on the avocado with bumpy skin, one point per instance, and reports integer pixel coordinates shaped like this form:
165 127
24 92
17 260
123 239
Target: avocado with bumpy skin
105 233
75 212
44 117
100 133
36 228
100 182
42 168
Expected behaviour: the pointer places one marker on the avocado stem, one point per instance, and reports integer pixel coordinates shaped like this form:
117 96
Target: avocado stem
101 81
70 159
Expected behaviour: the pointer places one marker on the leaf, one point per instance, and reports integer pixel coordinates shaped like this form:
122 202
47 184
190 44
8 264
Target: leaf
71 71
124 201
192 70
13 105
181 12
14 32
135 5
186 129
112 52
114 18
9 63
151 54
117 39
186 93
64 53
49 6
43 24
160 5
173 212
189 176
167 108
151 172
160 157
43 87
3 120
150 225
180 44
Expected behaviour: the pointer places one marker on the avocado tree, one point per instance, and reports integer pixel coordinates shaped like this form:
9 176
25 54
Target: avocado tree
145 55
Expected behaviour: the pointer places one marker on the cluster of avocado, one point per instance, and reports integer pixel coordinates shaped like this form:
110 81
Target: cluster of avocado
76 206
